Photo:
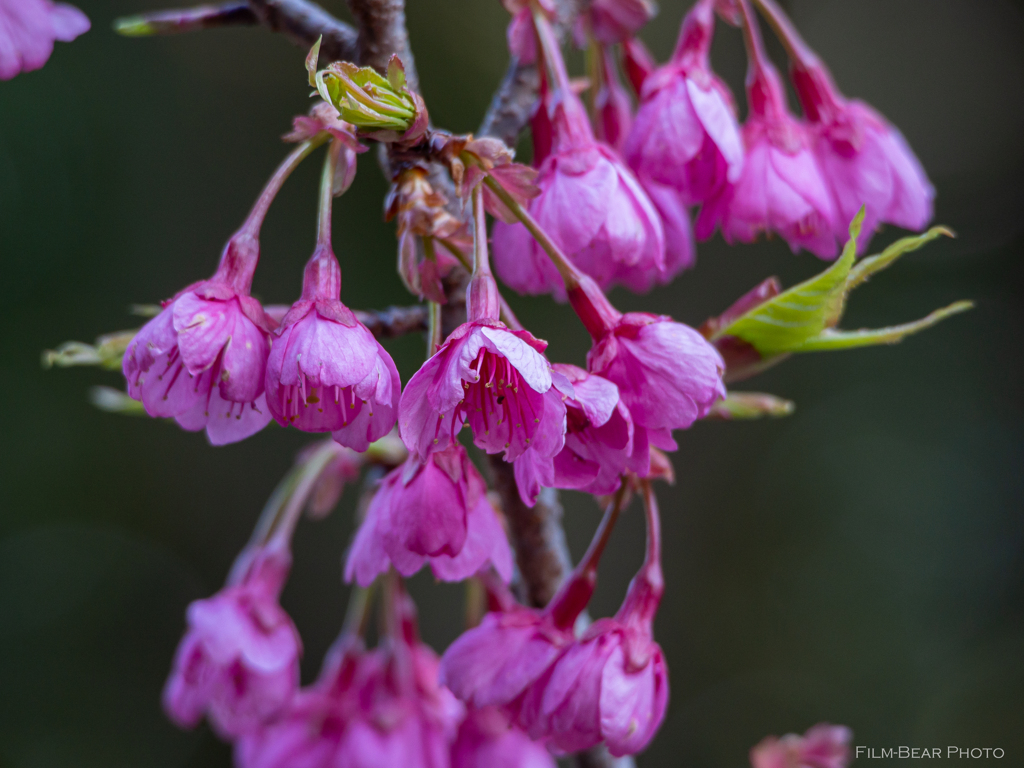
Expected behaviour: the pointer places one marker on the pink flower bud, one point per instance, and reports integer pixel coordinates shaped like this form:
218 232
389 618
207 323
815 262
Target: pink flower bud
202 360
823 746
495 379
28 29
326 372
685 133
598 443
238 662
486 739
614 107
430 510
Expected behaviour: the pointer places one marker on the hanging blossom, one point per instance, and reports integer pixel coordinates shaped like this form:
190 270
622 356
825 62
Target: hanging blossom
781 188
865 160
435 510
496 662
239 660
685 135
611 685
326 372
823 746
203 359
668 375
496 380
598 443
368 708
589 201
612 21
28 29
487 739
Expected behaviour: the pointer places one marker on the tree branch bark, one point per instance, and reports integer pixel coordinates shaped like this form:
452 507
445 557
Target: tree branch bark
382 33
302 22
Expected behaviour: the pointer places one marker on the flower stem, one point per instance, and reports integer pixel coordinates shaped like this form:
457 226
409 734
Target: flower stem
796 48
324 212
574 594
508 317
259 210
551 50
357 613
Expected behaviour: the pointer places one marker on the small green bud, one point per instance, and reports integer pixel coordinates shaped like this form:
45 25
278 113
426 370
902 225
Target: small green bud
372 103
115 401
750 405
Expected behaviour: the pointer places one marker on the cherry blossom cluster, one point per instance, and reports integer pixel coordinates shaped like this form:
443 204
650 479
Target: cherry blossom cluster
606 202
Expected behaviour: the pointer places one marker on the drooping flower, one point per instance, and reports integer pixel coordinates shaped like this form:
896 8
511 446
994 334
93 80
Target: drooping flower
598 443
668 375
610 686
590 203
781 188
493 663
326 371
685 135
496 380
202 360
238 662
367 709
487 739
612 21
28 29
433 510
864 160
823 746
680 250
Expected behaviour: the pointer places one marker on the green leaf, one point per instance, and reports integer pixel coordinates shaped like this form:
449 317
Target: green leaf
105 353
750 405
868 266
311 60
831 339
784 322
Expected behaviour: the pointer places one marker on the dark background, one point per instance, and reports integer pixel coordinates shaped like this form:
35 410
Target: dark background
858 562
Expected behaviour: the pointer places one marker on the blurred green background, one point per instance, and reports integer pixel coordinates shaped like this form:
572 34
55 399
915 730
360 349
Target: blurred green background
858 562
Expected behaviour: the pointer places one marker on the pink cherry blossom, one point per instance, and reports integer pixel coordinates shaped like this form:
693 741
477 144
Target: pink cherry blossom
433 510
865 161
28 29
493 663
680 250
496 380
326 371
612 21
367 709
781 189
590 204
598 443
487 739
823 746
610 686
202 360
668 375
685 133
238 662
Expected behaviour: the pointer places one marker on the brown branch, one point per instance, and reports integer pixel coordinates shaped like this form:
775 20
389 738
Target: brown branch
541 551
513 102
382 33
394 321
303 22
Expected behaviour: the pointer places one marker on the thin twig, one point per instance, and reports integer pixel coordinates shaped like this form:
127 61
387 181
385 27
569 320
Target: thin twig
171 22
303 22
